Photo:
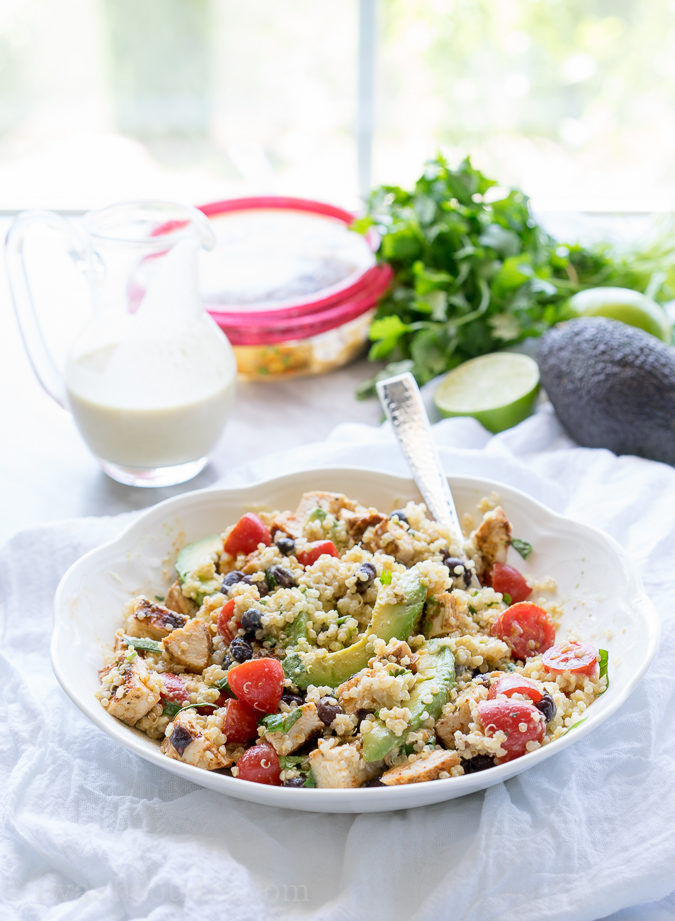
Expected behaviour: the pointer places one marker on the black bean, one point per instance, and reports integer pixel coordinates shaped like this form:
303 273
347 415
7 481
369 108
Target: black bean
180 738
375 782
477 763
547 706
240 649
285 545
295 782
365 576
251 621
459 570
280 577
289 697
400 514
234 578
327 709
480 677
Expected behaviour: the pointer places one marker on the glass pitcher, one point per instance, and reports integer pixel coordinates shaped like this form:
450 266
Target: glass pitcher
150 380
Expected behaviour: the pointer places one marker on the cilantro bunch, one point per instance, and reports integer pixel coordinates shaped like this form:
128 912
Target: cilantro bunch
475 272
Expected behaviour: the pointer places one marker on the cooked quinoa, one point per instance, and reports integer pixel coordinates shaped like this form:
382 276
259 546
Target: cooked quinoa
341 646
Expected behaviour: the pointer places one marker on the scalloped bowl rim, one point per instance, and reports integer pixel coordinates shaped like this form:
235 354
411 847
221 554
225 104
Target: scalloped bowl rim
120 550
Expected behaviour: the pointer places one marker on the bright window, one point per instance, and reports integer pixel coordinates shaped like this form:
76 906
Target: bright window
101 100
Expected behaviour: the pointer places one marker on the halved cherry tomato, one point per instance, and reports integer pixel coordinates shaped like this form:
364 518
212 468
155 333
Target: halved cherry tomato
174 689
258 682
247 533
515 684
521 722
574 657
260 764
508 581
526 628
224 619
313 551
241 722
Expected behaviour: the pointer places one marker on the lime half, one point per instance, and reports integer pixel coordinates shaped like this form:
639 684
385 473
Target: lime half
499 390
625 305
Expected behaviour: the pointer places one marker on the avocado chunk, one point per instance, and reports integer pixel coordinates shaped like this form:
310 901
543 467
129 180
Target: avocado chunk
389 619
612 386
435 679
196 569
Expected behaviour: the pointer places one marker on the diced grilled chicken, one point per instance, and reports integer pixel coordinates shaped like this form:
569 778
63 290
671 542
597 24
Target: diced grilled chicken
458 715
285 523
340 766
427 766
176 601
491 540
306 727
399 652
331 502
190 646
392 538
360 519
153 620
185 741
357 518
136 695
352 693
447 615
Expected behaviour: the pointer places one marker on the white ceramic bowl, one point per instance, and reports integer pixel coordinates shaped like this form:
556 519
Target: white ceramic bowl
602 597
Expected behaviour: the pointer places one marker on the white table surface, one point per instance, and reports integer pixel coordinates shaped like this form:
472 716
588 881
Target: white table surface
47 473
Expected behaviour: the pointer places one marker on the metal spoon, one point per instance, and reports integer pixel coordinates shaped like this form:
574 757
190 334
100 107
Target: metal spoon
402 402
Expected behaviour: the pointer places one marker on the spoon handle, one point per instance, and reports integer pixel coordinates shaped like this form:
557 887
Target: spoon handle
402 402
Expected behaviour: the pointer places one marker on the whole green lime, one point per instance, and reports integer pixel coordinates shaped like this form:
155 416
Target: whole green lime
499 390
625 305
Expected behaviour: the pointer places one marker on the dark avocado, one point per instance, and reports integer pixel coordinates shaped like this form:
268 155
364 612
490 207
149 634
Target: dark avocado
612 386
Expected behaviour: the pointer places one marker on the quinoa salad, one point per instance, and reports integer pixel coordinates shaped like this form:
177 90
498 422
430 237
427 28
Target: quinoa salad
338 645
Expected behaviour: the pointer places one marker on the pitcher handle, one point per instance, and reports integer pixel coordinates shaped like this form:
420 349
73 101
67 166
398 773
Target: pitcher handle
39 354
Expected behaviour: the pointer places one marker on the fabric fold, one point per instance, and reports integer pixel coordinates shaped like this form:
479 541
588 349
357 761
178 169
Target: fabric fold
90 831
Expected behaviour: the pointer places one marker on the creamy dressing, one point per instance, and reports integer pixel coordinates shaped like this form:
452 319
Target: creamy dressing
153 401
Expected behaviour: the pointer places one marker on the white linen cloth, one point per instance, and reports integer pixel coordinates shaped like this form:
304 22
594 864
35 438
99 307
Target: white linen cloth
92 832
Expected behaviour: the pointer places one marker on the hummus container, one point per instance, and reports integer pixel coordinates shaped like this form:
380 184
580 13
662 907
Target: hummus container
292 287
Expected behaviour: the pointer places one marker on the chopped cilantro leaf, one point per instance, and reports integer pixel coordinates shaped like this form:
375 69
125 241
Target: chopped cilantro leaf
281 722
522 547
474 271
290 761
143 643
172 708
223 685
292 666
309 780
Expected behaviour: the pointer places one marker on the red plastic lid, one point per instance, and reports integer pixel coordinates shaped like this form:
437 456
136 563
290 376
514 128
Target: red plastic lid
297 275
